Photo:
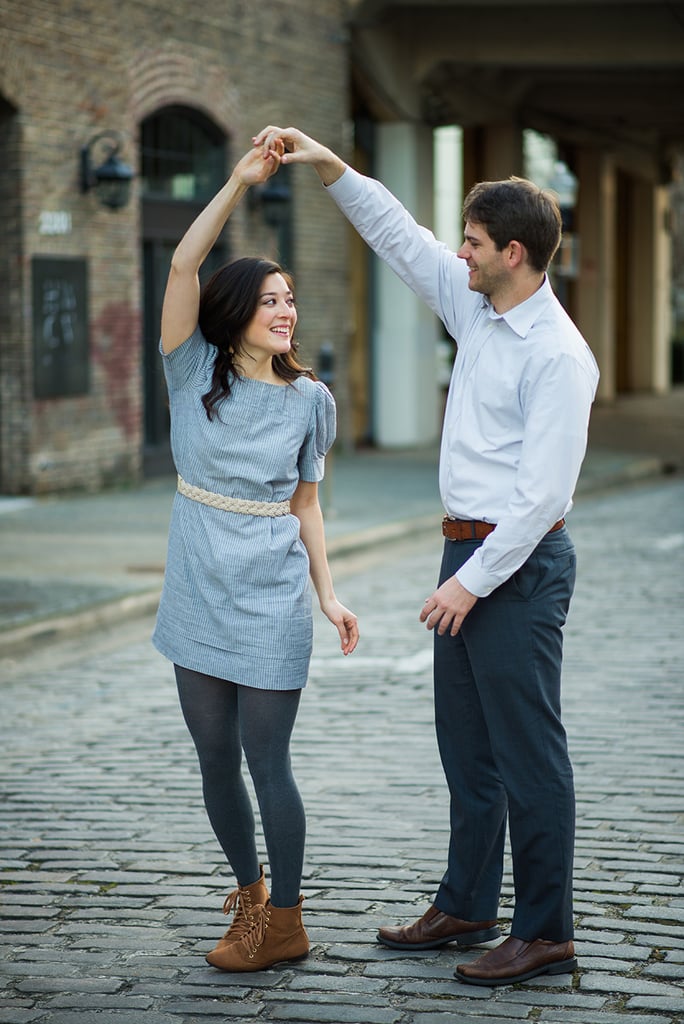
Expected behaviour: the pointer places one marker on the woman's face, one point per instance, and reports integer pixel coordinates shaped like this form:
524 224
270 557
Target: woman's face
271 329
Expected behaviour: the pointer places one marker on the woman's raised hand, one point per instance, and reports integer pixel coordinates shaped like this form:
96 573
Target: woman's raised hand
255 167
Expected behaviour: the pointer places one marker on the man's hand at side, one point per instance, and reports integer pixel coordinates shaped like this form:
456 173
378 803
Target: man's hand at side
447 607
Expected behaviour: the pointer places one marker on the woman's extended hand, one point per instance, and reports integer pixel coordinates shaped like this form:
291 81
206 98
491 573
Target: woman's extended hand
255 169
346 624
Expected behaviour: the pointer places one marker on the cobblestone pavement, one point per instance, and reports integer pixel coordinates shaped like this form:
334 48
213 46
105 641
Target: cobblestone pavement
113 883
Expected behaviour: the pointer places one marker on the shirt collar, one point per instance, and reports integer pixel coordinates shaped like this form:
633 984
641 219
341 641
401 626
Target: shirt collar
521 317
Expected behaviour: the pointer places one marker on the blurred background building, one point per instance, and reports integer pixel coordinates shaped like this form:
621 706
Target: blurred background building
119 120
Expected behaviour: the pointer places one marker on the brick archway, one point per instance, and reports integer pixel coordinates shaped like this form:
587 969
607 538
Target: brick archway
171 76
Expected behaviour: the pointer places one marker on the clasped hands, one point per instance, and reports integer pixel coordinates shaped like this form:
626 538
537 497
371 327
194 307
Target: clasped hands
288 145
270 148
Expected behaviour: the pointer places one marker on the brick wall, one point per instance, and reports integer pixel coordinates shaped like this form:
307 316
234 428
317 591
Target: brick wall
68 71
14 366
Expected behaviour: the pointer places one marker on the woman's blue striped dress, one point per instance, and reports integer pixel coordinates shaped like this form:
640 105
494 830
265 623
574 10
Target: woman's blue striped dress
236 601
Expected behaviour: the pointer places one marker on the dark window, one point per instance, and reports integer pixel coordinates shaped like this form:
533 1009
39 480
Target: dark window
183 156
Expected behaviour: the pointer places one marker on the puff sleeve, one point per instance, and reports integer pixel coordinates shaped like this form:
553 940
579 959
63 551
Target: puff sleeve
190 364
320 435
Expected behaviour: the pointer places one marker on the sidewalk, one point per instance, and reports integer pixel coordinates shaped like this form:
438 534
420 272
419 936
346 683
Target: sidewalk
74 562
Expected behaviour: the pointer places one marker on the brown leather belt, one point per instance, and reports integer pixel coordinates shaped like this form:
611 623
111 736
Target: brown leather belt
475 529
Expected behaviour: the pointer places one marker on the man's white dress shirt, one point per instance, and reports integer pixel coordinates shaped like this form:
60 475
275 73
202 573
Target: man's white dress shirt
517 414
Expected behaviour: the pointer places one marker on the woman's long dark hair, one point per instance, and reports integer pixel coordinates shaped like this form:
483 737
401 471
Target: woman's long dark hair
228 302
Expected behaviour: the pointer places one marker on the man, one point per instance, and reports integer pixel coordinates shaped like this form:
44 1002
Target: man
513 440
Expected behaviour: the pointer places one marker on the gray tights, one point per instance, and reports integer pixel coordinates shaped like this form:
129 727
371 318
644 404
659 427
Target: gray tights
224 719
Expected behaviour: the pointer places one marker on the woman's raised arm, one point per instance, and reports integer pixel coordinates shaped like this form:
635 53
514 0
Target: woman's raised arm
181 299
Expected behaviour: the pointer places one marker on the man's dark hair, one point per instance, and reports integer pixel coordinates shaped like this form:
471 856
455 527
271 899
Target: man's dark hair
517 210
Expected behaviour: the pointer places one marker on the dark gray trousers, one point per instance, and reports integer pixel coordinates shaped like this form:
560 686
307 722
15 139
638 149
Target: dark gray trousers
504 748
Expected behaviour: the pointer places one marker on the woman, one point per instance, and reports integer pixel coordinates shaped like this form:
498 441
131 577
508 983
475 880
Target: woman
250 428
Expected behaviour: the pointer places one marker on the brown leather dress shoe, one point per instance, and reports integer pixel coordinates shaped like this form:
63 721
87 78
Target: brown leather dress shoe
516 960
436 929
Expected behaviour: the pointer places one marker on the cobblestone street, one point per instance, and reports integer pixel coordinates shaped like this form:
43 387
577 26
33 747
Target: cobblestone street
112 883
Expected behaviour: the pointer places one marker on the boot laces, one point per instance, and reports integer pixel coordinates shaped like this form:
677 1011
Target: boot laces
240 902
256 932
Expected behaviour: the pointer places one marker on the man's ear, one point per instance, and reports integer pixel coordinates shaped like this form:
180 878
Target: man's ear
515 253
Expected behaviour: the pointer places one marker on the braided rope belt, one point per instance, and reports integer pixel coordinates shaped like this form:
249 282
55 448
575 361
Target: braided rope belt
240 505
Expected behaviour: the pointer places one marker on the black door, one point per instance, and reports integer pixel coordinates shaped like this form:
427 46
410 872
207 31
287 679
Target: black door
183 160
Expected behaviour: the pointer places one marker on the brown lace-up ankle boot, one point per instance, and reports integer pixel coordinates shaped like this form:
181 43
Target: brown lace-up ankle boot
242 902
276 935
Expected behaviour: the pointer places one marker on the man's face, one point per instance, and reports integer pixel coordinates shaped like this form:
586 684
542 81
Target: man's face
488 267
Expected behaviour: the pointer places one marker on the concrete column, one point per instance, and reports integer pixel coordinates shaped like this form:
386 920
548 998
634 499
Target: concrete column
663 326
649 301
406 401
595 303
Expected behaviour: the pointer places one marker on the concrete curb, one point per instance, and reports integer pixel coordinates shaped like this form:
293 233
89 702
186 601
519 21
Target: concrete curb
106 614
384 533
630 472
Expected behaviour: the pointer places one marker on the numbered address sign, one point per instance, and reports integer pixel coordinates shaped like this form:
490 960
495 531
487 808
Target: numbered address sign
60 327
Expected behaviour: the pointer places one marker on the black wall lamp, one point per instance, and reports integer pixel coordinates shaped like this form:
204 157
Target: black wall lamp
112 178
